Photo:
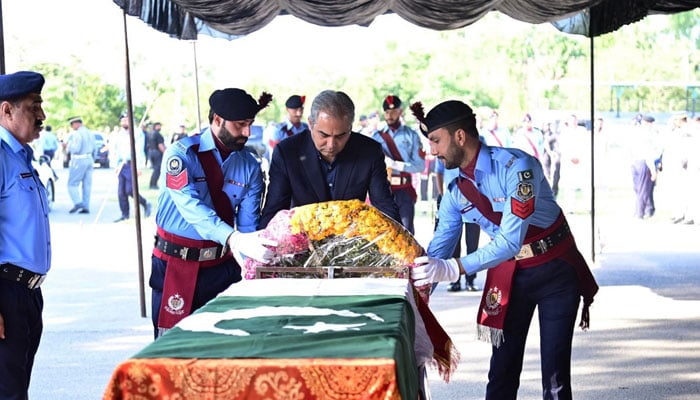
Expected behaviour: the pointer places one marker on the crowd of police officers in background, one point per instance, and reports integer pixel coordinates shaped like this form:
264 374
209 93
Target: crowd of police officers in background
645 148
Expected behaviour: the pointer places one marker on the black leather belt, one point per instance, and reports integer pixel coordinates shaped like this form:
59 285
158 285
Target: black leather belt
24 277
543 245
189 253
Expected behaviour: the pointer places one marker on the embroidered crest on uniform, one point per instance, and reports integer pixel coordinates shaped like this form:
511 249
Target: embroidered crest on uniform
525 175
175 304
174 165
522 209
176 177
492 302
525 191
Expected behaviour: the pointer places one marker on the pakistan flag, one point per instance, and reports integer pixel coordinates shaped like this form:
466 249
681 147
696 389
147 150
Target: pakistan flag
292 327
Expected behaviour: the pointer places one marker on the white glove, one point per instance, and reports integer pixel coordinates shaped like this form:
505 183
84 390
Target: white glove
394 165
431 270
252 245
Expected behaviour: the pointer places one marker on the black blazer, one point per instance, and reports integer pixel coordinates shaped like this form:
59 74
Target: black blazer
296 178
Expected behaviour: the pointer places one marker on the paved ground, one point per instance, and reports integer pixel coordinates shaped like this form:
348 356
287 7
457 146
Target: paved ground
644 342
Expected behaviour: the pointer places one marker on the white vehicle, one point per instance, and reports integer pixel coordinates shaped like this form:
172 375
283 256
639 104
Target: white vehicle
48 178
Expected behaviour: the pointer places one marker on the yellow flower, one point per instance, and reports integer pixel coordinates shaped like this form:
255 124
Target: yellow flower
350 218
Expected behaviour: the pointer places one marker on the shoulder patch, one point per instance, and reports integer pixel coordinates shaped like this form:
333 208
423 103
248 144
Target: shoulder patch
525 191
522 209
176 173
175 165
525 175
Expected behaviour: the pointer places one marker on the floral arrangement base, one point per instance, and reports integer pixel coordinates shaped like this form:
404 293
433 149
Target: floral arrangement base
331 272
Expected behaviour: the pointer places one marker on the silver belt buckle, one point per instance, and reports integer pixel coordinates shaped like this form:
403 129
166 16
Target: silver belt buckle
36 281
395 180
525 252
207 253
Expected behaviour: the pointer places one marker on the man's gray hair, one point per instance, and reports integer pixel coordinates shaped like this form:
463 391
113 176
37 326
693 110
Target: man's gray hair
337 104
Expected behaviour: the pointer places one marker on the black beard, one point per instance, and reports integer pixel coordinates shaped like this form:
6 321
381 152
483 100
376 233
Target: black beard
232 143
454 157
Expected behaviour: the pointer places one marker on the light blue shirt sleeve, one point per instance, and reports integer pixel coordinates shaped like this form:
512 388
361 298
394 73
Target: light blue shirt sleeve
25 237
507 179
189 210
408 143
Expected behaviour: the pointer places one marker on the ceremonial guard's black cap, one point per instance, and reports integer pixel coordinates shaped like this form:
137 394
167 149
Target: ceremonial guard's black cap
443 114
391 102
234 104
295 101
21 83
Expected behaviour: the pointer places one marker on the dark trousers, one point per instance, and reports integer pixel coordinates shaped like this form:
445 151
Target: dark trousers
407 208
156 158
471 233
643 189
50 154
21 309
125 189
552 288
210 282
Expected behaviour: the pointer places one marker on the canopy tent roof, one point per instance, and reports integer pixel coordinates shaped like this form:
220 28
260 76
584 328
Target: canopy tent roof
185 19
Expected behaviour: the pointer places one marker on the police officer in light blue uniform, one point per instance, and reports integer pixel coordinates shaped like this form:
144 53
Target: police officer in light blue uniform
290 126
25 239
81 147
532 259
208 206
403 149
471 231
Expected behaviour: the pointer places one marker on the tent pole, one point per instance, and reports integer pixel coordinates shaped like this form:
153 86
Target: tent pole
593 134
196 85
2 43
134 172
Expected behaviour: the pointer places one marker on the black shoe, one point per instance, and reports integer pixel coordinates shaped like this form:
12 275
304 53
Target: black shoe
688 222
677 220
454 287
120 219
84 210
472 288
75 209
147 211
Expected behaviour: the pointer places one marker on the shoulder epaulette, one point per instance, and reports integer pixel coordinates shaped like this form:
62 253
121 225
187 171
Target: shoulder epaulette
187 142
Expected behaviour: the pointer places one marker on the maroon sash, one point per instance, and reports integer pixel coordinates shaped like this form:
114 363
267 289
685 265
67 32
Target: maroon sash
181 275
215 183
496 295
396 155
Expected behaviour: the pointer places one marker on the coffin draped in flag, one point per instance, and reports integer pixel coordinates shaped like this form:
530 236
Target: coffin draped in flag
313 339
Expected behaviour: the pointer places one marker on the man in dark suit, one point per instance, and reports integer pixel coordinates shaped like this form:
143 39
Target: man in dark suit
329 162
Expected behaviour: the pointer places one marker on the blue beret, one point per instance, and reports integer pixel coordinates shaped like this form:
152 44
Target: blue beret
19 84
295 101
446 113
233 104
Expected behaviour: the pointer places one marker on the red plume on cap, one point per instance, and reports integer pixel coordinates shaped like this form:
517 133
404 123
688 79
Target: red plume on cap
303 100
264 99
390 100
418 112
